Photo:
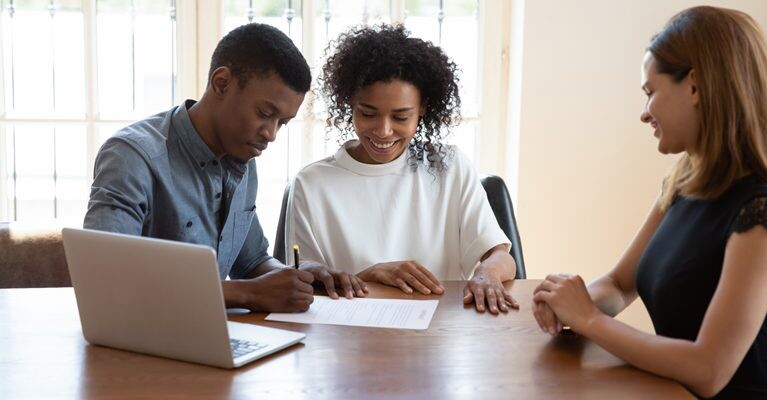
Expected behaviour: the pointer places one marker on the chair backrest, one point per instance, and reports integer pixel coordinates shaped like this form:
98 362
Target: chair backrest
497 195
31 257
500 202
279 240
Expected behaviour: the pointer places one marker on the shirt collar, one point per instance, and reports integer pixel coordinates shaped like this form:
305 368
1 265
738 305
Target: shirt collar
190 138
397 166
234 166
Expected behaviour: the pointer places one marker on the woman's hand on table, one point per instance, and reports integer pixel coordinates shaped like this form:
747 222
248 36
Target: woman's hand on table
486 291
336 282
546 318
569 300
409 276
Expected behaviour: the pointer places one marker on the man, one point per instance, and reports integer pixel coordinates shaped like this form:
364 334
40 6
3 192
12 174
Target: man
189 174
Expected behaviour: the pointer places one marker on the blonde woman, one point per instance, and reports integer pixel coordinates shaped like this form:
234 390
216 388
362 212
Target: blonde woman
699 262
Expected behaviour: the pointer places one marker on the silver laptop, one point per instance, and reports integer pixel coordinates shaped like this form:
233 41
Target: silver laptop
162 298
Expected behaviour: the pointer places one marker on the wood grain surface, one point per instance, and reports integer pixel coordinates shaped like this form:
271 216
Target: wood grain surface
463 354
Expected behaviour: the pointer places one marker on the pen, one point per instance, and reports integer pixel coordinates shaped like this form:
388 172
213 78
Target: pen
567 331
295 256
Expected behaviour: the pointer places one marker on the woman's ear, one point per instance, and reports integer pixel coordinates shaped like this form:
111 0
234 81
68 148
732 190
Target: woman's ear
694 87
422 110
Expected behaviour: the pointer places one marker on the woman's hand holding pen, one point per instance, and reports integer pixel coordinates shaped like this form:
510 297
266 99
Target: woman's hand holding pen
335 281
406 275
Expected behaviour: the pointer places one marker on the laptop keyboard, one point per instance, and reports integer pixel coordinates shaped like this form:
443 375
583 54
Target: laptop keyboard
241 347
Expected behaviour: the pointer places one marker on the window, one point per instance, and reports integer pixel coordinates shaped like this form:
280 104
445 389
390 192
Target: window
75 71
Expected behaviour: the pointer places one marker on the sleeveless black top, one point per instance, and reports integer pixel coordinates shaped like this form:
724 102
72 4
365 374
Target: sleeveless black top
680 269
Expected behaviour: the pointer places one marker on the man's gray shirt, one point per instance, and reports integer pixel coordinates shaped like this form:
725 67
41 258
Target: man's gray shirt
158 178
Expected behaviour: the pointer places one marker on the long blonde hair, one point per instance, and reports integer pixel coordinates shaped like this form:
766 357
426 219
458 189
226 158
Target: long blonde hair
726 49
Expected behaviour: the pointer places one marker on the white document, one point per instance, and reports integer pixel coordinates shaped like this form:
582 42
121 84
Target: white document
376 313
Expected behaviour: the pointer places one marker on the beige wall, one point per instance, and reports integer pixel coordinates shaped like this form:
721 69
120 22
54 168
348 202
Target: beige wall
588 169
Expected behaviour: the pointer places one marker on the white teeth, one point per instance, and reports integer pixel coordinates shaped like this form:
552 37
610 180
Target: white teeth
382 145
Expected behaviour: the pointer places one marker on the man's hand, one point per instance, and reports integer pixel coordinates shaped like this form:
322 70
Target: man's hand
279 290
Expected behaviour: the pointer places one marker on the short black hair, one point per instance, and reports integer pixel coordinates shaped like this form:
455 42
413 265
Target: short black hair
365 55
261 49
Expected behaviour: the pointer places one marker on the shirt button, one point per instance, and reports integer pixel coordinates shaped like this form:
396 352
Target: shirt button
202 164
218 195
220 238
189 224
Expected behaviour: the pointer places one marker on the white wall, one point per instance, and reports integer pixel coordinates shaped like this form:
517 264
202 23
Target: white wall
589 170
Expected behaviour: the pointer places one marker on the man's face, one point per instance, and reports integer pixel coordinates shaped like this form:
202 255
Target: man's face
247 118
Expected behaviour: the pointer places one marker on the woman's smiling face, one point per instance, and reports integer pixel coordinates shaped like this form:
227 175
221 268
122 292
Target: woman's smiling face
671 108
385 117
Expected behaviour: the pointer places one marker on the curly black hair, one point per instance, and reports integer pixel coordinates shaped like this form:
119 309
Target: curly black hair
261 49
365 55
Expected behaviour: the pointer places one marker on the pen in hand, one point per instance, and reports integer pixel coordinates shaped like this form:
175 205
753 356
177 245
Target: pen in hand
295 256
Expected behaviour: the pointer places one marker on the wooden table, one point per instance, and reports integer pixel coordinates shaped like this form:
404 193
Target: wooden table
463 354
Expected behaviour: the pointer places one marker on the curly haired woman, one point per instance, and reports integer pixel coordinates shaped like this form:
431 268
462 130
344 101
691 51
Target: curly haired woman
396 205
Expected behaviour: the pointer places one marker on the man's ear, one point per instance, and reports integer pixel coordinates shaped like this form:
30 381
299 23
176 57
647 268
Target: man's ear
220 80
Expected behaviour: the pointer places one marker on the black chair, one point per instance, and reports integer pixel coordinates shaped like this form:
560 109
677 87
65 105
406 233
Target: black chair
500 202
497 195
279 240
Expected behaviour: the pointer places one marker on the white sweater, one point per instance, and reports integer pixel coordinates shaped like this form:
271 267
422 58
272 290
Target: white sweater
350 215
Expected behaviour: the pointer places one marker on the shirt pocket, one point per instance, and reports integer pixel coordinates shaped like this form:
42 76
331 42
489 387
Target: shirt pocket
191 230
